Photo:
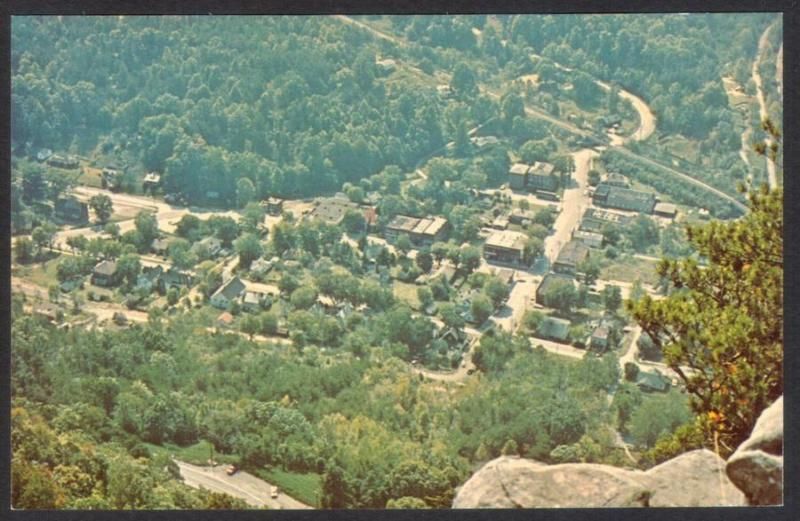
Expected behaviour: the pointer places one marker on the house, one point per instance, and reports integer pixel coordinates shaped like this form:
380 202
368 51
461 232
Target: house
570 257
273 205
667 210
652 381
174 278
261 266
484 141
599 338
614 179
110 177
72 210
590 239
212 244
105 274
505 246
327 304
422 232
224 319
444 91
541 177
59 161
251 301
518 176
227 293
152 180
149 277
455 338
47 311
547 283
595 219
521 217
552 328
623 198
43 155
500 222
159 246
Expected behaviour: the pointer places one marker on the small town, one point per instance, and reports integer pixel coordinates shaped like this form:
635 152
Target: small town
395 262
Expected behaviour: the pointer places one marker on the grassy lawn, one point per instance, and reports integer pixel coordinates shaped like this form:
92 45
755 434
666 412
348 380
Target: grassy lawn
306 488
407 293
41 274
196 454
630 270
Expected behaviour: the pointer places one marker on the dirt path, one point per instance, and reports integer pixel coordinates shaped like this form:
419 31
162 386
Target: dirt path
254 491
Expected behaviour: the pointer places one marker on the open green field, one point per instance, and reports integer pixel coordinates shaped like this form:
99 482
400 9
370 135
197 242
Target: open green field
407 293
630 270
303 487
197 454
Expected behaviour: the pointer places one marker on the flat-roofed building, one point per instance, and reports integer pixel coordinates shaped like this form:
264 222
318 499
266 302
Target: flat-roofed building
667 210
595 219
421 231
590 239
571 255
518 176
505 246
624 198
541 177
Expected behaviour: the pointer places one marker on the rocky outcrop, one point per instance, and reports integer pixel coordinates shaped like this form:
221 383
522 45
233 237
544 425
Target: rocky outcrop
757 465
696 478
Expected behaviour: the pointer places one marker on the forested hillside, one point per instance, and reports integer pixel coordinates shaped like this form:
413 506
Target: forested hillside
291 101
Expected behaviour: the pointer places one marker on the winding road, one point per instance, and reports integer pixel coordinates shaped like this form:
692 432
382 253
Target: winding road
647 120
772 177
243 485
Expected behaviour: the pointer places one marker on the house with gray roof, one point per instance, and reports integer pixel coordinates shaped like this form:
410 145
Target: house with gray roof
227 293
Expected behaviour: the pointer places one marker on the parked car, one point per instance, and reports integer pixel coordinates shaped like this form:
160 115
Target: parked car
273 492
231 470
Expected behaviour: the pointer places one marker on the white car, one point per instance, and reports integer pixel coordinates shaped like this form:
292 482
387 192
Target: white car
273 492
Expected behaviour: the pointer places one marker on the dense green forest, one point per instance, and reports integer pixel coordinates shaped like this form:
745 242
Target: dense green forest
369 425
299 105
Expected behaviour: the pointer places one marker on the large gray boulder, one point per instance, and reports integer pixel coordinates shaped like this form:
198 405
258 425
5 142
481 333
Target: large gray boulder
696 478
757 465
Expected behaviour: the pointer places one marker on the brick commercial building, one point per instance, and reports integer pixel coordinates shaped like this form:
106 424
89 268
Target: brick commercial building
505 246
422 232
624 198
570 257
539 176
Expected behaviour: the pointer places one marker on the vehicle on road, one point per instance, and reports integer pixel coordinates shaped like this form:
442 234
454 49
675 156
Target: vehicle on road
273 492
231 470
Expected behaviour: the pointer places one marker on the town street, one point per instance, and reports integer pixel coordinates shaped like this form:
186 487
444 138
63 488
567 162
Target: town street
574 202
245 486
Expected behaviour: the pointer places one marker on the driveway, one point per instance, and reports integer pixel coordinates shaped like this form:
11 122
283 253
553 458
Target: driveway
245 486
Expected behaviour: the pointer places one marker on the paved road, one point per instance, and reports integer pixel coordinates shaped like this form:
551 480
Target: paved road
772 177
574 202
254 491
779 71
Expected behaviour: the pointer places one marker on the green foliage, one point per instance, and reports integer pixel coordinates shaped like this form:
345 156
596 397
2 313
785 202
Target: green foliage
724 321
657 416
102 206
